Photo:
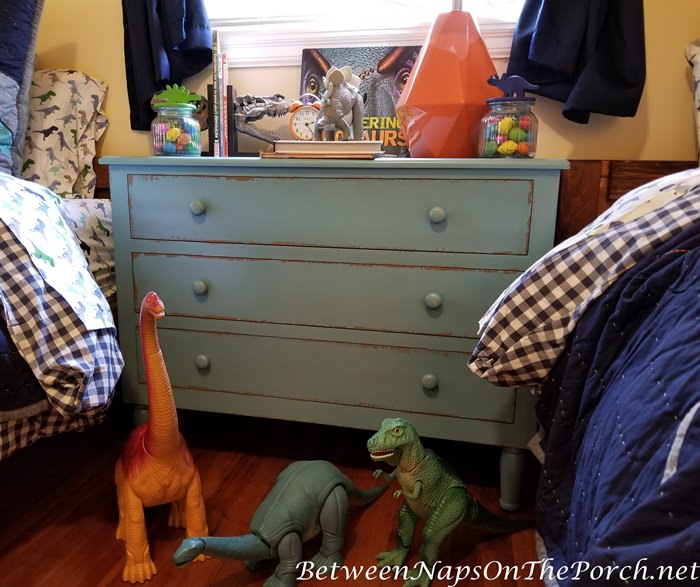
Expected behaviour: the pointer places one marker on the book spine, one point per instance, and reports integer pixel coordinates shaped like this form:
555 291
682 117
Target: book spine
232 136
215 105
224 106
210 119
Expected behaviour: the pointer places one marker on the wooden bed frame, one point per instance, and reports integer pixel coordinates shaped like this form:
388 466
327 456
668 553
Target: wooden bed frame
589 187
102 185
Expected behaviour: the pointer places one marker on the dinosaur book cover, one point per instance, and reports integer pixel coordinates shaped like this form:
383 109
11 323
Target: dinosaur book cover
383 72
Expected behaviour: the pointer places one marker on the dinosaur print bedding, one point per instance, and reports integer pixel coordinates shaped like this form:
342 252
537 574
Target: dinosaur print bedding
57 317
65 122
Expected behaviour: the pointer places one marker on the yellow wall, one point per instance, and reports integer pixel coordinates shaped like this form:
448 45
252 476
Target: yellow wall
662 129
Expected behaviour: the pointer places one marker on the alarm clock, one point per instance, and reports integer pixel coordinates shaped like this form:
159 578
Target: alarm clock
303 115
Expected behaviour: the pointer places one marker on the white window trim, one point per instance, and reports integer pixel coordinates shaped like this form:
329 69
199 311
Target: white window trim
281 44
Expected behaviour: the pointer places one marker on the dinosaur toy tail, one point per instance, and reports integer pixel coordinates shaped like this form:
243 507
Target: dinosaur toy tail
484 519
365 496
244 548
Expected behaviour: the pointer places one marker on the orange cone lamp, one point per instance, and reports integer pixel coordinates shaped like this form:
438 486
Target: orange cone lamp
444 100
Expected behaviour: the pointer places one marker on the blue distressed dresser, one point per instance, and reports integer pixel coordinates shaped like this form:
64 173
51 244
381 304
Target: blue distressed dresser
333 291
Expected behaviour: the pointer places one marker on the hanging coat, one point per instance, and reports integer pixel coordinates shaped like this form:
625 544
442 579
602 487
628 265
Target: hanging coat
165 41
589 54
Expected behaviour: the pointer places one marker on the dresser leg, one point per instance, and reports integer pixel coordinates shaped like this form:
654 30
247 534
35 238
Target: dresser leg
512 467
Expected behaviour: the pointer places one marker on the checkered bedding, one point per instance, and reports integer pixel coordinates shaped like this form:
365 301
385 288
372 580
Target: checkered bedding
619 417
57 317
527 327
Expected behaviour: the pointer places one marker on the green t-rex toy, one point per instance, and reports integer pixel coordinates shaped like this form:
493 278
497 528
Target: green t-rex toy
434 491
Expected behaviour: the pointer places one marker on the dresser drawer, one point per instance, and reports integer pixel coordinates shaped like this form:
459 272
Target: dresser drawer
369 376
339 295
302 287
446 215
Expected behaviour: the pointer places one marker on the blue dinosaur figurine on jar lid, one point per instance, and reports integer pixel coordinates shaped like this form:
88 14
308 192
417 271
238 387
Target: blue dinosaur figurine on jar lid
509 129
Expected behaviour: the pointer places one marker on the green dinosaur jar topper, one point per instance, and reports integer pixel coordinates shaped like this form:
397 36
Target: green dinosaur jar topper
175 96
174 131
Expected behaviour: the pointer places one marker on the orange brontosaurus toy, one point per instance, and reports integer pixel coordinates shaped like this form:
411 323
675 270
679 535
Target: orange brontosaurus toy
155 466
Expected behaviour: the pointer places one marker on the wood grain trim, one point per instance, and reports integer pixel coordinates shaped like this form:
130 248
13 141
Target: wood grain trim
589 187
102 185
579 193
627 175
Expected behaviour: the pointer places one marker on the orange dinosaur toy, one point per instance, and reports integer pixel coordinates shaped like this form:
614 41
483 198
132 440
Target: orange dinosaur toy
155 466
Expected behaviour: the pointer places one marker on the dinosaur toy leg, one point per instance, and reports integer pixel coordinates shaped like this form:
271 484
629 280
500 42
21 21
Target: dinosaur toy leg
246 548
408 520
195 514
446 516
343 126
358 112
290 554
189 512
139 566
332 520
176 518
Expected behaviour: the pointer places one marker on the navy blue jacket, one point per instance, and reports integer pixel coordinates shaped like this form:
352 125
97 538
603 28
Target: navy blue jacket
165 41
589 54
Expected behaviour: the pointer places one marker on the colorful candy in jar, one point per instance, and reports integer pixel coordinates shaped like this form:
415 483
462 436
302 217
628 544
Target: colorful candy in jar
509 129
174 130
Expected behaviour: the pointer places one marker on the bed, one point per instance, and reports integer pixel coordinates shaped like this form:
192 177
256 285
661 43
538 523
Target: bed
605 329
59 356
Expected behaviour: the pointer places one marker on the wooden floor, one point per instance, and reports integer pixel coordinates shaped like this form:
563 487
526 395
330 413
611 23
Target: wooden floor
58 511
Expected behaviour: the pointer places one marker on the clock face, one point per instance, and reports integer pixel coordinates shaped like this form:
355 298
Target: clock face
302 122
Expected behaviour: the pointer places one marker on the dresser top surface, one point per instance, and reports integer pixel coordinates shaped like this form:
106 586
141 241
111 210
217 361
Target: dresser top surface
387 163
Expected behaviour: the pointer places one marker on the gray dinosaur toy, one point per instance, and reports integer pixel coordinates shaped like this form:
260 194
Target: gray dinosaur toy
308 497
340 99
433 491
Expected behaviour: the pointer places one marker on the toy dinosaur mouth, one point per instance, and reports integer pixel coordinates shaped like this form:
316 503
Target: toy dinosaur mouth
381 454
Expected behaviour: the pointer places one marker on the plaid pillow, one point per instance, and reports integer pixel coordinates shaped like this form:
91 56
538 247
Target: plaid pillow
526 329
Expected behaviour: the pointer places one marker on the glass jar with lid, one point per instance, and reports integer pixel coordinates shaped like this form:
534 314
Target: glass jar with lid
509 129
175 131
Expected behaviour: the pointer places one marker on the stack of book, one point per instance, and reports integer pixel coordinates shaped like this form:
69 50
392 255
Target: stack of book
325 149
222 135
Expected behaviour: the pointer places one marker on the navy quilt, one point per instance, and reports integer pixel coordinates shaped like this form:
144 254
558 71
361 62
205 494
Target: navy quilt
618 499
19 23
27 396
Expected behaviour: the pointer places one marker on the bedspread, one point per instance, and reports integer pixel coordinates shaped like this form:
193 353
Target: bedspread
55 312
621 473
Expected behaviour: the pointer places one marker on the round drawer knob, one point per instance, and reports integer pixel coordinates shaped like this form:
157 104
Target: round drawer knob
437 214
202 362
197 208
429 381
200 287
433 300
